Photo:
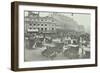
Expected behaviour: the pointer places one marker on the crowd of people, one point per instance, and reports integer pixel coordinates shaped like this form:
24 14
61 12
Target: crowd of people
70 44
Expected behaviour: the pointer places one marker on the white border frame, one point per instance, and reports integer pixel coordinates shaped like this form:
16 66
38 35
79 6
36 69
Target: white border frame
34 64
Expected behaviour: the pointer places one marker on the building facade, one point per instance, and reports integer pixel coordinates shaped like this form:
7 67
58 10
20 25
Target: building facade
35 23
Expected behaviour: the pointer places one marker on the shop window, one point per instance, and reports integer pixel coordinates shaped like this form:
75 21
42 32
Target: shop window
52 28
41 19
41 24
45 24
45 29
42 29
30 28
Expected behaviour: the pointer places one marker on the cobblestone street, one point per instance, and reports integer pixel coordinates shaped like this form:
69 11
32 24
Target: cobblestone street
35 55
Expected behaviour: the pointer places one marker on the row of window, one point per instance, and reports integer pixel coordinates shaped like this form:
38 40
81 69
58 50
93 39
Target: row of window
39 24
41 28
38 20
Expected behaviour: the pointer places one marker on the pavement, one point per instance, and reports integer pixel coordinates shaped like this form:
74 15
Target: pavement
35 55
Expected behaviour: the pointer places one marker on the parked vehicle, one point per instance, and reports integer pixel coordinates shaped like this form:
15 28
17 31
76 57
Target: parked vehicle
49 53
71 52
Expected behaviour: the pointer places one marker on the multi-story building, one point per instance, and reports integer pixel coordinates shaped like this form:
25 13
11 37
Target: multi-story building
36 23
